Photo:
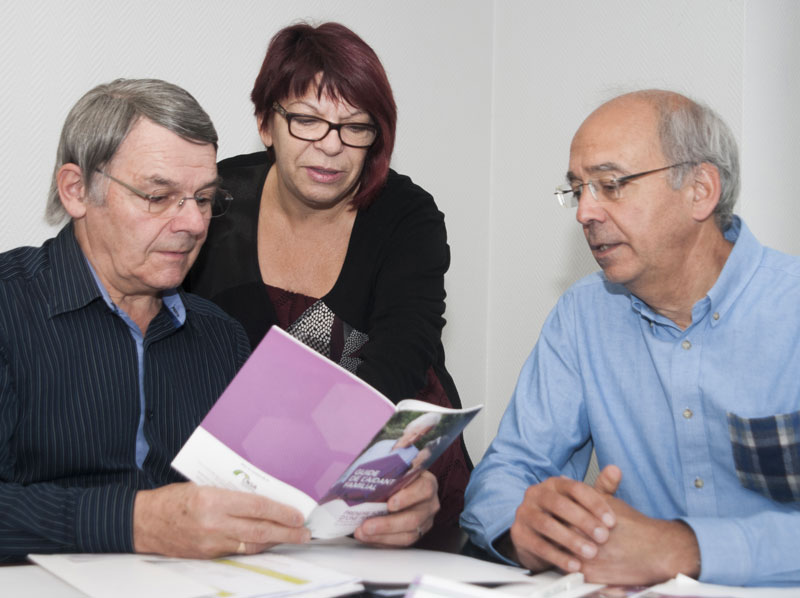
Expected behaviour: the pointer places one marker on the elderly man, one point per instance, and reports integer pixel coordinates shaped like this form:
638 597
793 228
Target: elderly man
674 364
106 366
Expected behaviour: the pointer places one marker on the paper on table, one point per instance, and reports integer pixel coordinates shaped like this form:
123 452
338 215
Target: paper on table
30 581
265 574
686 586
544 585
343 590
133 576
400 566
551 584
120 575
432 586
554 585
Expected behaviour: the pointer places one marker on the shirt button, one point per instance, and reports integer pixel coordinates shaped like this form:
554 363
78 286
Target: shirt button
716 315
698 482
149 414
687 413
686 344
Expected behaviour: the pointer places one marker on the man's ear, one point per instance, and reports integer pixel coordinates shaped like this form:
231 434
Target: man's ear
707 189
72 190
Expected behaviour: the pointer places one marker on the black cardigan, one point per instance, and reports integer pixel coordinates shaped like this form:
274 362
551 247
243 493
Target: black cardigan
391 285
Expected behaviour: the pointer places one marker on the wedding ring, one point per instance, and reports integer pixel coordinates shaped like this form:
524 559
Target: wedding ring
242 549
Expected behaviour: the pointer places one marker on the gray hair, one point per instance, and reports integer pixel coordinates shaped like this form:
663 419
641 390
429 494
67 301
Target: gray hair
99 122
692 132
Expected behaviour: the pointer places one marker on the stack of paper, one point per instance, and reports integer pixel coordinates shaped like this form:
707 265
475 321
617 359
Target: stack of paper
552 585
399 566
134 576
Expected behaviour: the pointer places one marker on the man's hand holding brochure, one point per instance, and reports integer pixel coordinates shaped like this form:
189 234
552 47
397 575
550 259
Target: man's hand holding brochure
297 428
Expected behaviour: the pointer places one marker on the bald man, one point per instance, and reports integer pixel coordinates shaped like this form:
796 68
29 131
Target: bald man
677 364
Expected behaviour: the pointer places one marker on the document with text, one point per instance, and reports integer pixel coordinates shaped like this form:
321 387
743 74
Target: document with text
297 428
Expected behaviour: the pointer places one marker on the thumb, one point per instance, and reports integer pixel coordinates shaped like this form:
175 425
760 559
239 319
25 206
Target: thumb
608 479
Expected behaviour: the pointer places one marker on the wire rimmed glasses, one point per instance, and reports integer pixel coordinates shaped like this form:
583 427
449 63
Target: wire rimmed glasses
603 189
211 202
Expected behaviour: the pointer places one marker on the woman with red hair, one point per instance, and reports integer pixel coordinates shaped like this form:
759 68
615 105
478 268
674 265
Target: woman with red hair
324 240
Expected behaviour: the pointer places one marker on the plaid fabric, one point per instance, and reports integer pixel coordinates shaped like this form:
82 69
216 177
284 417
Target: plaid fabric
766 451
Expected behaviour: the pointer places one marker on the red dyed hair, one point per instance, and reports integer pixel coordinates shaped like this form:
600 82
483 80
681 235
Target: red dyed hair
350 70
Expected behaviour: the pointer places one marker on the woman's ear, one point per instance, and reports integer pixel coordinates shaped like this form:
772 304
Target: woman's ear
707 190
264 131
72 190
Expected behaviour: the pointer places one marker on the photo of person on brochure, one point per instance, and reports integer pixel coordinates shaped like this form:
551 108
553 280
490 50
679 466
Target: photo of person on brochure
391 460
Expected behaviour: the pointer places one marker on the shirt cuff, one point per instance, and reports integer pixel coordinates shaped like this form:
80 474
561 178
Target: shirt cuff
104 519
487 536
724 553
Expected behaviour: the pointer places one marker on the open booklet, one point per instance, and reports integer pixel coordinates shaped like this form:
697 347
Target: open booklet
297 428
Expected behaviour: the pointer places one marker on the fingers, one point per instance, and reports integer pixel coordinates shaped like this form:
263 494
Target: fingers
259 522
421 490
536 553
397 529
411 513
193 521
575 505
561 521
392 530
264 534
252 506
608 480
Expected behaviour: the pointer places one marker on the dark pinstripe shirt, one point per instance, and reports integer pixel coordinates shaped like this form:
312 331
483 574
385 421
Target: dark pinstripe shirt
69 402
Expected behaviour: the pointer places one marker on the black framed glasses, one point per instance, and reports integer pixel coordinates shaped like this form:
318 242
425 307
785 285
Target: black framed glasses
211 202
604 189
313 128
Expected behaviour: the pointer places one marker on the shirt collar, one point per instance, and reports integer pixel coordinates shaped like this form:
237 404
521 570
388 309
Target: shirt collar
739 268
73 285
76 283
736 273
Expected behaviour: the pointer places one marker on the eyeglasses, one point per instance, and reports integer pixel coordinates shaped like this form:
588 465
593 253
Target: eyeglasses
609 189
312 128
211 202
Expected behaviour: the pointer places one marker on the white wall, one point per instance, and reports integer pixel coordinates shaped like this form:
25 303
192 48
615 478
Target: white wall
489 95
770 123
554 63
437 55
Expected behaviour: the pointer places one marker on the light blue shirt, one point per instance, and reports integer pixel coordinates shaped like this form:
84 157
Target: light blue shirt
177 310
609 373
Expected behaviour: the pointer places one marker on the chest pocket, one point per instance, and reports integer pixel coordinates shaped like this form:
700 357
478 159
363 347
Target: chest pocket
766 452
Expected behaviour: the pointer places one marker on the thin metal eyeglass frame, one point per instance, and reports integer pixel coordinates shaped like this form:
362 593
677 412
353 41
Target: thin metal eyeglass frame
618 181
152 198
335 126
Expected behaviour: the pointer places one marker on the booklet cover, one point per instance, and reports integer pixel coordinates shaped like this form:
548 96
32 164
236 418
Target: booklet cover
297 428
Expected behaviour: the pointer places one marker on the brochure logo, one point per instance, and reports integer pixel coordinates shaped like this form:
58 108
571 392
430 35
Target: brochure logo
244 479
